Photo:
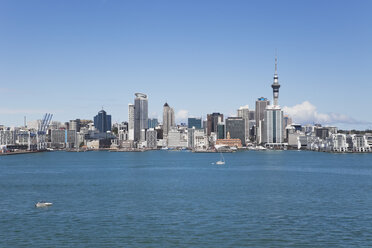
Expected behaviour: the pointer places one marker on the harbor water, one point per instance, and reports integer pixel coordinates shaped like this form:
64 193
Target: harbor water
183 199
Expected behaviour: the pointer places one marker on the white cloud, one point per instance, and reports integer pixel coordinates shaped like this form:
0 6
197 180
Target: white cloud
182 115
306 113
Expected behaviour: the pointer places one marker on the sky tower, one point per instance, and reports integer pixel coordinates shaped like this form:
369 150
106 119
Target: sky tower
276 85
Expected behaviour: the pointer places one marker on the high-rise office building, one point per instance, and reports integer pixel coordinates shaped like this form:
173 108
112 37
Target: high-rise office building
235 126
140 114
212 122
221 132
102 121
273 124
194 122
168 119
244 112
131 121
74 125
261 104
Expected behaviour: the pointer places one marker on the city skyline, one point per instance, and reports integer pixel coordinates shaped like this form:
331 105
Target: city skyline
101 56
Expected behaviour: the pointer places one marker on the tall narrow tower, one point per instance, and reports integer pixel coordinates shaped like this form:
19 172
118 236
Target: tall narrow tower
168 119
276 85
140 114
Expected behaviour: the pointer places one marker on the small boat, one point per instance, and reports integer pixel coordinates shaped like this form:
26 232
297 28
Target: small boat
43 204
221 161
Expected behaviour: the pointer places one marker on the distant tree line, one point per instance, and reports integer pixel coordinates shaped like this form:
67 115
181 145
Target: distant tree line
355 131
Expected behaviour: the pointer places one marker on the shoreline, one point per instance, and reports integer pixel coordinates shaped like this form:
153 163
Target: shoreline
188 150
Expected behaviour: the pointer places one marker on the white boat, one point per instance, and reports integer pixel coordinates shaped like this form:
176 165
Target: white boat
221 161
43 204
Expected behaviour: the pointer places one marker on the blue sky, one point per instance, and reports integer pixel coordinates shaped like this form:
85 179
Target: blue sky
71 58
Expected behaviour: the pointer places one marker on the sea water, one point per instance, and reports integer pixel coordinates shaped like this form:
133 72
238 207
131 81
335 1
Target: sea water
183 199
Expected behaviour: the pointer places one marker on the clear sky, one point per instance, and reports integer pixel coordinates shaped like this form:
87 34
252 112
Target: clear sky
71 58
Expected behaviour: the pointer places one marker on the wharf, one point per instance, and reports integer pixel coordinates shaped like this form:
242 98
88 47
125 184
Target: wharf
19 152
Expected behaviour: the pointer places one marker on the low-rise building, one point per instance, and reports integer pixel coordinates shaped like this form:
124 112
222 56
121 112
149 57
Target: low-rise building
229 142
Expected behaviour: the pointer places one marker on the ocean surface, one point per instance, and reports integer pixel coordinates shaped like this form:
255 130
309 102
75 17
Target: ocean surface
183 199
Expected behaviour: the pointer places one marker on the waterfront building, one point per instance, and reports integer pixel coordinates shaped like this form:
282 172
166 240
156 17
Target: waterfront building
62 138
360 143
369 140
131 121
176 139
235 126
153 122
194 122
197 139
140 114
151 138
230 142
102 121
168 119
212 122
338 143
244 113
261 104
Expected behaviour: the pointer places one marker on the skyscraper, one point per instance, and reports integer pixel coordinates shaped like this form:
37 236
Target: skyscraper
261 105
212 121
273 125
102 121
140 114
235 126
168 119
194 122
130 121
243 112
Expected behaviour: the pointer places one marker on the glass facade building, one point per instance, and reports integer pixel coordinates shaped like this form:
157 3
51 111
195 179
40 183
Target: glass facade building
102 121
235 126
152 123
194 122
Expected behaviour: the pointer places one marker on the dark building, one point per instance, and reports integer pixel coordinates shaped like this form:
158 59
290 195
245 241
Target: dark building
221 131
152 123
322 132
102 121
212 122
235 126
252 115
194 122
